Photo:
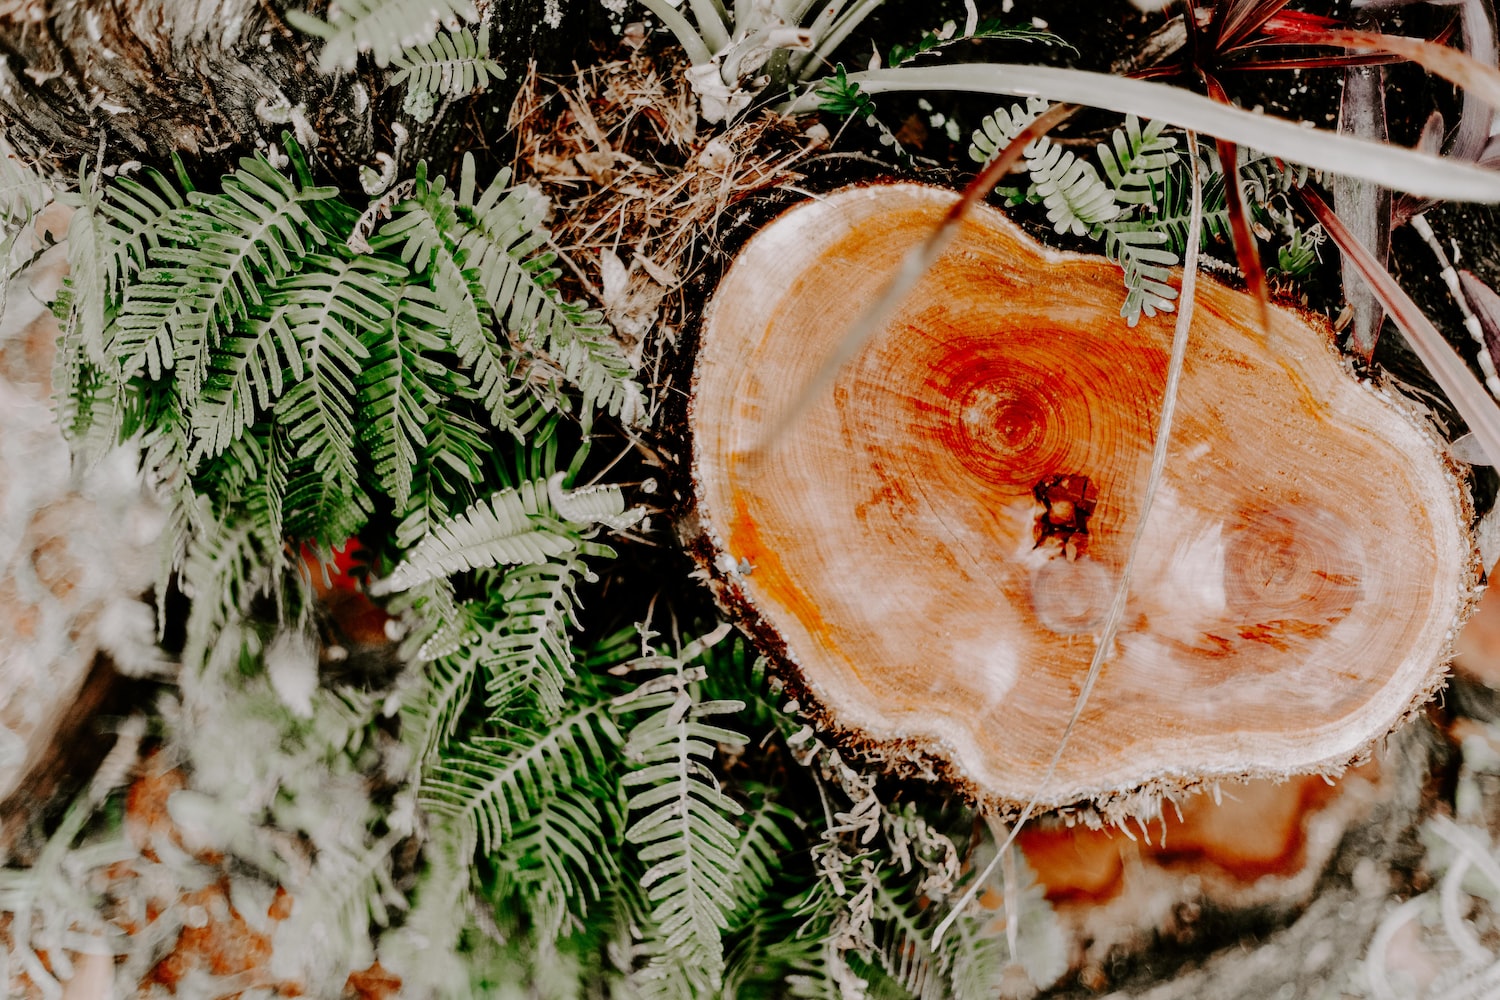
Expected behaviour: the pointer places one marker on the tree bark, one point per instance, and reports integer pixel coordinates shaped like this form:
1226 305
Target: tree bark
121 80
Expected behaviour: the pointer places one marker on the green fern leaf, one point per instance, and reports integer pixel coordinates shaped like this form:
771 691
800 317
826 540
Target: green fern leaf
431 707
559 859
1077 200
225 568
491 784
224 247
452 463
131 216
517 525
320 507
427 230
759 855
454 63
1171 213
684 832
530 653
395 387
247 374
505 231
1143 255
380 27
330 301
1137 163
999 129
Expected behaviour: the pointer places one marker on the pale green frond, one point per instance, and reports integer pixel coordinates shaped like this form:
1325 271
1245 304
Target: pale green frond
329 302
759 855
396 386
683 828
559 859
328 934
1136 160
530 652
426 229
491 784
998 129
226 566
505 232
1077 200
248 372
432 703
380 27
217 253
453 63
515 526
451 464
423 951
1143 255
1171 213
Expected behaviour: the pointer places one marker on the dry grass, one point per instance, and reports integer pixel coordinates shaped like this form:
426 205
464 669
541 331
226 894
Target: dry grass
642 193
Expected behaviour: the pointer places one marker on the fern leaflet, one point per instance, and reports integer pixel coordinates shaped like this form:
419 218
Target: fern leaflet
1137 162
517 525
454 64
1077 200
489 784
684 832
380 27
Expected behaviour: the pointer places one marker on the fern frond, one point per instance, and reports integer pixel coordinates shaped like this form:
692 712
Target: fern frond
759 856
491 784
1137 162
452 463
517 525
395 387
224 248
1172 211
330 301
998 129
431 707
505 231
320 507
454 63
1143 255
380 27
247 373
560 859
434 622
427 230
131 216
226 567
423 951
529 653
686 837
1077 200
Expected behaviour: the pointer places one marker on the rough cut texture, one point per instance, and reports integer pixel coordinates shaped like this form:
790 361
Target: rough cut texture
935 544
141 79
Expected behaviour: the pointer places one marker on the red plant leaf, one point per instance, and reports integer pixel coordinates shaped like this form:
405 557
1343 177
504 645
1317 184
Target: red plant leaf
1450 371
1484 303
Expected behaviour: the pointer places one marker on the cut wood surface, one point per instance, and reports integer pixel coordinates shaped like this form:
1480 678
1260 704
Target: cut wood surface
934 544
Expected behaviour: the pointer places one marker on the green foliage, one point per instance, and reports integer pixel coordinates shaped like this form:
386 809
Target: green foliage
454 64
290 384
382 28
22 195
992 30
1139 209
683 823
